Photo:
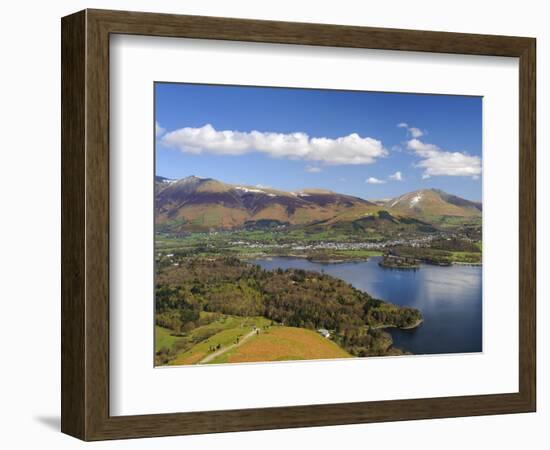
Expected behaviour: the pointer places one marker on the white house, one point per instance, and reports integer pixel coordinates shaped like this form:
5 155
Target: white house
324 332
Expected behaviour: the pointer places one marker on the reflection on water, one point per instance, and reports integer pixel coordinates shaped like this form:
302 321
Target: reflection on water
448 297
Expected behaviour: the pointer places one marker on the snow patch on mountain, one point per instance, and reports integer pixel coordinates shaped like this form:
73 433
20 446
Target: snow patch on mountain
247 190
415 200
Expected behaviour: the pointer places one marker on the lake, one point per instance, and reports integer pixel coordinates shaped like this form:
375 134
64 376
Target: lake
450 299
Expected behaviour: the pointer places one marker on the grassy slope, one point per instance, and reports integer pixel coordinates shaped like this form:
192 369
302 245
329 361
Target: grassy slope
466 257
449 222
223 332
164 338
283 344
274 343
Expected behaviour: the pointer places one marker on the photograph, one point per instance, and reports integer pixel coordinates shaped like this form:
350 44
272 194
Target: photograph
307 224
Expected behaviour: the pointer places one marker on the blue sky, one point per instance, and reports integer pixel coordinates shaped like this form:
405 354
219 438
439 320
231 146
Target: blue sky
369 144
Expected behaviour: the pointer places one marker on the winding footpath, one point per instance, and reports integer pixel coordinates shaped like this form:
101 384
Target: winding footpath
211 356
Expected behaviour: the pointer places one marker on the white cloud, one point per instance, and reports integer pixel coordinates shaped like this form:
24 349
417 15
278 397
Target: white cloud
373 180
413 131
436 161
416 132
422 149
313 169
350 149
159 131
397 176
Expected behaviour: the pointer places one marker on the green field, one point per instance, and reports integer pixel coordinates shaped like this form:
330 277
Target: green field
164 338
192 347
253 244
466 257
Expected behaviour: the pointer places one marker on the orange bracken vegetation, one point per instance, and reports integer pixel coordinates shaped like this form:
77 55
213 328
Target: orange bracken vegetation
188 358
286 343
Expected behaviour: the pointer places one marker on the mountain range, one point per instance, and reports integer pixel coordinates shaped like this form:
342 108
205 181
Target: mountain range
202 204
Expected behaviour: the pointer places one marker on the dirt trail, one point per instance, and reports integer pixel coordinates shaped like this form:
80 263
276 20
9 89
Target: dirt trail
211 356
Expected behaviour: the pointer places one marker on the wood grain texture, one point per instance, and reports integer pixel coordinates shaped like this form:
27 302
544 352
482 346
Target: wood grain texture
85 224
201 27
73 226
527 224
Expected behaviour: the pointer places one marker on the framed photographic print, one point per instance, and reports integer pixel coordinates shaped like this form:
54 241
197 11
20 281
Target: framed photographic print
271 225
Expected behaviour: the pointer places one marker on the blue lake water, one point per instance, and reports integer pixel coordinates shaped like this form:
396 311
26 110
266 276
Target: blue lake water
450 299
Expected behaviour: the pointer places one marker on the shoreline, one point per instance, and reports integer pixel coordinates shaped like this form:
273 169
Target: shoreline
359 259
460 263
414 325
387 266
410 327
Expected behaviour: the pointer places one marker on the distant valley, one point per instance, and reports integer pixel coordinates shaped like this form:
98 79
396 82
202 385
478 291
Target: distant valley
214 304
326 224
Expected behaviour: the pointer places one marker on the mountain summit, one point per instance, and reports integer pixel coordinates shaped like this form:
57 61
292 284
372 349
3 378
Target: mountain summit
434 202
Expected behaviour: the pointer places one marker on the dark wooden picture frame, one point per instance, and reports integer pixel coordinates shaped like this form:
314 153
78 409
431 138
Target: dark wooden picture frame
85 224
